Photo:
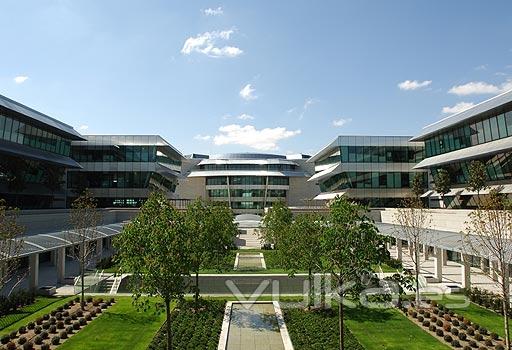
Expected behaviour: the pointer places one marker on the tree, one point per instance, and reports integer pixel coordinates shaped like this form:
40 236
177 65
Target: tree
153 246
299 247
10 242
477 177
418 184
414 222
489 233
275 222
84 218
442 182
211 232
350 246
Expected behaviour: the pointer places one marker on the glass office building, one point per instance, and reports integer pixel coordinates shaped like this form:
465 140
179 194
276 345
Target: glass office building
121 170
482 132
34 155
248 182
374 170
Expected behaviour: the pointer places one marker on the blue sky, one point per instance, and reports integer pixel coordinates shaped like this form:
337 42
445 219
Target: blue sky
269 76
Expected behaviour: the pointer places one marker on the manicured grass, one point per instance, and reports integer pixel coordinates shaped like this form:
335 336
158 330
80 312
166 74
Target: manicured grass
477 314
43 305
388 329
120 327
385 268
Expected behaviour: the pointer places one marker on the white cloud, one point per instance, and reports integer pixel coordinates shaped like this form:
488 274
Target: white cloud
205 43
244 116
263 140
474 88
20 79
213 12
247 93
413 84
83 127
202 137
307 103
482 67
459 107
341 122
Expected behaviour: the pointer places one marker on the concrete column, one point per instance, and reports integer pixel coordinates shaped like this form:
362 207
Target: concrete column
61 264
466 271
53 258
445 257
493 270
99 248
398 248
33 272
438 267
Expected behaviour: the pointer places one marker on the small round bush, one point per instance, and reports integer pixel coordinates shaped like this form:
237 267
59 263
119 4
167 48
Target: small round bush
112 300
38 340
98 310
460 317
451 313
56 340
463 326
494 336
440 332
434 303
88 317
63 335
95 303
426 314
39 320
454 331
5 339
28 346
420 318
471 331
479 337
22 340
45 347
467 322
77 299
433 319
421 311
46 317
447 327
448 338
53 312
488 342
447 318
44 334
22 330
13 334
455 343
65 313
11 346
473 344
79 313
69 329
71 302
483 331
38 329
46 325
82 321
60 325
476 326
499 347
439 323
74 316
31 325
432 328
93 313
455 322
58 316
467 347
76 325
104 306
426 324
68 320
462 336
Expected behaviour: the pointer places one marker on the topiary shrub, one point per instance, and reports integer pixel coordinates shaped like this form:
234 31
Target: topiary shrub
52 320
112 300
473 344
13 334
74 316
38 329
467 347
92 313
28 346
488 342
68 320
483 331
454 331
88 317
447 327
462 336
31 325
60 325
38 340
76 325
479 337
65 313
451 313
63 335
82 321
494 336
53 312
455 322
447 318
22 330
98 310
46 325
448 338
11 346
22 340
44 334
69 329
440 332
58 316
426 314
39 320
499 347
433 319
460 317
45 347
56 340
455 343
79 313
420 318
463 326
5 339
104 306
476 326
439 323
46 317
426 323
53 329
471 331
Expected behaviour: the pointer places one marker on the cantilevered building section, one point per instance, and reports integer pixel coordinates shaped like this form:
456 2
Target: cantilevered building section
122 170
375 170
34 155
248 182
482 132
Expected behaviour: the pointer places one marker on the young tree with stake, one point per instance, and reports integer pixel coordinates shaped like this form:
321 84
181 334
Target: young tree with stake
275 223
11 243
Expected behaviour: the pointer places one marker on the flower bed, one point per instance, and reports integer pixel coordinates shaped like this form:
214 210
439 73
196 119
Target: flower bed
455 330
50 330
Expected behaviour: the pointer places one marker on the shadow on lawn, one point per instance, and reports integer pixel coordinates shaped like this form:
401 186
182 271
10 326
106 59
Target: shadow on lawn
364 314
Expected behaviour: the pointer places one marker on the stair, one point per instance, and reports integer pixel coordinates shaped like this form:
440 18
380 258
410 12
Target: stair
248 239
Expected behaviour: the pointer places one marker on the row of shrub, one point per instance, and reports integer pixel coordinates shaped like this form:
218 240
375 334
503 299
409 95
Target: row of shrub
454 328
486 299
15 301
55 326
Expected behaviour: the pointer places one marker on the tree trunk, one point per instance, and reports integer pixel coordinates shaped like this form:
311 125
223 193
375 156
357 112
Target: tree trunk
310 298
417 272
322 291
506 302
196 294
82 270
168 323
340 317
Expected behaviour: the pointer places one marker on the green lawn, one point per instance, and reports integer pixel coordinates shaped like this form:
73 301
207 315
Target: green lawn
388 329
477 314
43 305
120 327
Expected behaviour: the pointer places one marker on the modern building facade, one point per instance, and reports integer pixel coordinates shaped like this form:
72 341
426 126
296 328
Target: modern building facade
482 132
374 170
34 155
248 182
121 170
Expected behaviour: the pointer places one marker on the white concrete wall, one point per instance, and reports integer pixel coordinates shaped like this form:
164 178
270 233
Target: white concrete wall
191 188
442 219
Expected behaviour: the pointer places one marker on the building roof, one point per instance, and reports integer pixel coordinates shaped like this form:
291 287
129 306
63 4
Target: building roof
23 111
247 156
210 173
18 150
470 113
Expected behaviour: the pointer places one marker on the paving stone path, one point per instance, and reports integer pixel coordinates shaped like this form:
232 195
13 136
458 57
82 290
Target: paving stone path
250 261
254 328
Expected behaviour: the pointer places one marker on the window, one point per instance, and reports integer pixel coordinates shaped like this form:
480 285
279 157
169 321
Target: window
494 128
502 126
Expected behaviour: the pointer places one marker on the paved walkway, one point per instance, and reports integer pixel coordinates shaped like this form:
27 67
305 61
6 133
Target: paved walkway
250 261
254 328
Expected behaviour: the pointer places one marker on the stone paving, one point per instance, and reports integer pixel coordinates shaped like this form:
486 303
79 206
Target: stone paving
250 261
254 327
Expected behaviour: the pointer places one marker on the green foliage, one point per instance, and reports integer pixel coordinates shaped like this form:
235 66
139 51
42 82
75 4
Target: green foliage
477 176
317 330
194 330
418 184
442 181
275 223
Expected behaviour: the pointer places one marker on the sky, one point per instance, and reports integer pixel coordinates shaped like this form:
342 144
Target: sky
265 76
